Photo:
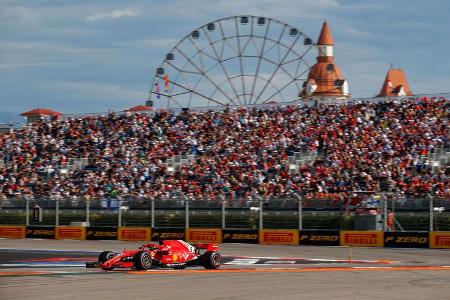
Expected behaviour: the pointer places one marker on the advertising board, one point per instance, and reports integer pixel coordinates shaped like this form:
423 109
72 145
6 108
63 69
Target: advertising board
361 238
440 239
40 232
70 232
12 232
204 235
406 239
278 237
159 234
101 233
319 237
248 236
134 233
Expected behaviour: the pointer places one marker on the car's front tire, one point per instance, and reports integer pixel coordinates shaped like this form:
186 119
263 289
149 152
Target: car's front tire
105 256
211 260
142 260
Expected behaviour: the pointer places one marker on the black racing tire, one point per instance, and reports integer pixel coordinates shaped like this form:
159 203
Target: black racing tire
211 260
105 256
142 260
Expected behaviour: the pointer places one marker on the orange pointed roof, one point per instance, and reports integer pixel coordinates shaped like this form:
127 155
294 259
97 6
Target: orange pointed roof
325 37
41 112
394 83
325 80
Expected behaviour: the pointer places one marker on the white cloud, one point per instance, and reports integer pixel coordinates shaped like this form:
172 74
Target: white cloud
115 14
101 90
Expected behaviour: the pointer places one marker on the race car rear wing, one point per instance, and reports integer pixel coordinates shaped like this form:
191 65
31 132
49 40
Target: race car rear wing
208 247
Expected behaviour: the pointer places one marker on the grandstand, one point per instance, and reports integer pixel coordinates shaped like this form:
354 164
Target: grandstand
238 153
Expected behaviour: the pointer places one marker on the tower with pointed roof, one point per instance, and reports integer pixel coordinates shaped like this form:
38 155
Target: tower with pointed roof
325 79
395 84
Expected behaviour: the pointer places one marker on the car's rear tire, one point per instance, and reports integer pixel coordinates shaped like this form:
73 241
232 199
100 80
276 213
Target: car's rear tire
142 260
105 256
211 260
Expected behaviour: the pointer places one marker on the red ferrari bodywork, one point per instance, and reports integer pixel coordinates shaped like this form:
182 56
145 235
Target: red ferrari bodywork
168 253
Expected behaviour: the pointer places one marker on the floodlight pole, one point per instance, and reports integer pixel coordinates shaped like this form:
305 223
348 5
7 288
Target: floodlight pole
223 214
261 215
27 212
186 205
431 213
152 213
119 219
57 212
87 212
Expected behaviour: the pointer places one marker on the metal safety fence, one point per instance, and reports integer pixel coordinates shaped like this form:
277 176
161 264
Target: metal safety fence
381 212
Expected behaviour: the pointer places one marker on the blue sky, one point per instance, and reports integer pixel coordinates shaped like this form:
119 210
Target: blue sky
91 56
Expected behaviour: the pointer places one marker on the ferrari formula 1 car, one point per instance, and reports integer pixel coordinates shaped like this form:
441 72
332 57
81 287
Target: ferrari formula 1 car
175 254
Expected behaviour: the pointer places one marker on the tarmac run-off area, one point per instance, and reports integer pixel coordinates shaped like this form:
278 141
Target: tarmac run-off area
55 269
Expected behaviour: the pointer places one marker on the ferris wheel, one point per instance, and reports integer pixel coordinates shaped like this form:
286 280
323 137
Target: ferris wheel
239 60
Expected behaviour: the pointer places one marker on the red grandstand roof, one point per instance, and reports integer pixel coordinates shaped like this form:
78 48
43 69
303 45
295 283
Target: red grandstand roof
140 108
41 112
325 35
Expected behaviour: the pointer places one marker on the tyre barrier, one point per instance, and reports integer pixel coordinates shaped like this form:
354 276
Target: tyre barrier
435 239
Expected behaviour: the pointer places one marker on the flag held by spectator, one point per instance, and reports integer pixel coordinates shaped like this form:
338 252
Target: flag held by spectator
166 82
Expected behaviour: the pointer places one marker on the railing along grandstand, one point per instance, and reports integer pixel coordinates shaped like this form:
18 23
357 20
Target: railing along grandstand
360 211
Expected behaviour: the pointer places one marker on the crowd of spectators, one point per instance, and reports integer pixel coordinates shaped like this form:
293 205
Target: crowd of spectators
238 152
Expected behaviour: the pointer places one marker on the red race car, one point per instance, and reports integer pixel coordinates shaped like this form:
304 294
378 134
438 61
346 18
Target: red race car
175 254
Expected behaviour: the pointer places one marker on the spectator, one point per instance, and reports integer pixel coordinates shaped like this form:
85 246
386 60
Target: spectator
240 153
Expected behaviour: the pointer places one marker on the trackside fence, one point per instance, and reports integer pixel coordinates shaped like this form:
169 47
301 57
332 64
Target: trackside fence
382 212
371 221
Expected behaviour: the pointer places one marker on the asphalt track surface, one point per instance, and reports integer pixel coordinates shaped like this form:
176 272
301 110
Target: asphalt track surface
54 269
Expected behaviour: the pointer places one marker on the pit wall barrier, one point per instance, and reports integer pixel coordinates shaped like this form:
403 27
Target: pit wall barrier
436 239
